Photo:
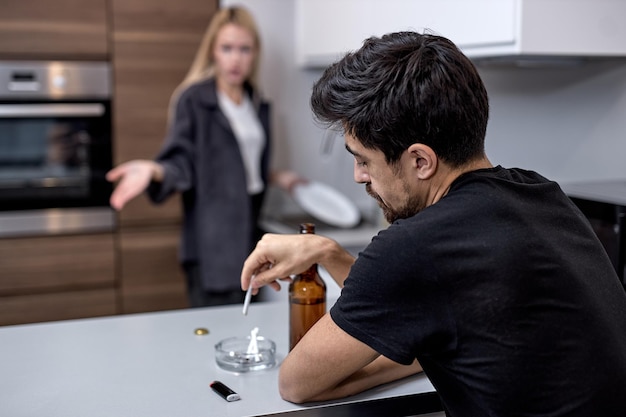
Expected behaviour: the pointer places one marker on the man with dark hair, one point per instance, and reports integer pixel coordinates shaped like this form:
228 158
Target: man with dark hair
489 279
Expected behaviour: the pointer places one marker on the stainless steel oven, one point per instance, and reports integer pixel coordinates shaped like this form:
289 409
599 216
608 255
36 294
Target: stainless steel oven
55 147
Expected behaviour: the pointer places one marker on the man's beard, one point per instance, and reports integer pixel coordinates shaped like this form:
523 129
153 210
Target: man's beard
410 208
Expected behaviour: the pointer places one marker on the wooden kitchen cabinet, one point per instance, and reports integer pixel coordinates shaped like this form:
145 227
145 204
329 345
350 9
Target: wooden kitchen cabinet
154 42
57 277
135 268
32 308
53 262
152 277
59 29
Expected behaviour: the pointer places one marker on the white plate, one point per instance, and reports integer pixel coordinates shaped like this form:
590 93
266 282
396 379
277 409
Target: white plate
326 204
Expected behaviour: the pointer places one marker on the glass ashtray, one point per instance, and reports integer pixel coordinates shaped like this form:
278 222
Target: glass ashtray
238 354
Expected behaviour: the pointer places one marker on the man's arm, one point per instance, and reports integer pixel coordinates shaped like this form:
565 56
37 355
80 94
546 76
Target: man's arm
292 254
328 363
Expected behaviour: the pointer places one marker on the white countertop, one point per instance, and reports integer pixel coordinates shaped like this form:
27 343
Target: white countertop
607 191
154 365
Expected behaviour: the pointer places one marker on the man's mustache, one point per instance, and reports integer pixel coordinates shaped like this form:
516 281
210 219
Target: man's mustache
371 193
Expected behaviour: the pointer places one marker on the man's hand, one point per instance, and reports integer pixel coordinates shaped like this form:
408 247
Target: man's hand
276 257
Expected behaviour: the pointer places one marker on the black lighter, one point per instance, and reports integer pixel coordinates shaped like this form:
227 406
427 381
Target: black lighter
224 392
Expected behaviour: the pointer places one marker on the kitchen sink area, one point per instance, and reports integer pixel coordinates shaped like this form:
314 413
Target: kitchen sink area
282 215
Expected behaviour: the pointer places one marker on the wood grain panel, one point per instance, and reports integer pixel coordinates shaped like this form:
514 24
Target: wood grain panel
162 16
56 263
142 89
57 306
152 276
154 43
143 86
59 29
153 298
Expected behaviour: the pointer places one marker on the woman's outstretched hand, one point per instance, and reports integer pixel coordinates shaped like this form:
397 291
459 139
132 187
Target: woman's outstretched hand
133 178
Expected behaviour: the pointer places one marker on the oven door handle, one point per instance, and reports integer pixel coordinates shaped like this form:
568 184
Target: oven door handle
51 110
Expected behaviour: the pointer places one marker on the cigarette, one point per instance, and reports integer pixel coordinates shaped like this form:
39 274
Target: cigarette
246 301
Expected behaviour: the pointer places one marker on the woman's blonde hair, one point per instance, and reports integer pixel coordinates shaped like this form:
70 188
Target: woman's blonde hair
203 65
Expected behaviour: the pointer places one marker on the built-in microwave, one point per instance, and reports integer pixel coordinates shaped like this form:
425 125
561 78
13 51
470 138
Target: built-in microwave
55 147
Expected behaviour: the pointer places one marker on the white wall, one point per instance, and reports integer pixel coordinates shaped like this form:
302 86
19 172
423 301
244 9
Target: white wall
569 124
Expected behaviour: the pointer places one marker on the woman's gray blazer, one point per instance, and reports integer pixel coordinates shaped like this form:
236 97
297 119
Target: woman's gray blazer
202 160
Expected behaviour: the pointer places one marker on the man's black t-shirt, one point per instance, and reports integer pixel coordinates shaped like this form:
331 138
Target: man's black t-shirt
503 293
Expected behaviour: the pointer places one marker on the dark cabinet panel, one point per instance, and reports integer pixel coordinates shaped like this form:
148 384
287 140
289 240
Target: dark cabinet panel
152 277
163 18
59 29
56 263
57 306
154 43
57 278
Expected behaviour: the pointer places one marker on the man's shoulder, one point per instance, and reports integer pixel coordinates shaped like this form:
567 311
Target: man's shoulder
504 176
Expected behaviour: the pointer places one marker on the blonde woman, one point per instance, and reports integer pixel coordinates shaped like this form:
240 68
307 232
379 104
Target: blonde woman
217 155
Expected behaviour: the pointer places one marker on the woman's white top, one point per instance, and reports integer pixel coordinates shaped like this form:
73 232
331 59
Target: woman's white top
250 136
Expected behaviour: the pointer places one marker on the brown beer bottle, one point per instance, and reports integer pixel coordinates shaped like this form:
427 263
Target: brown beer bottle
307 298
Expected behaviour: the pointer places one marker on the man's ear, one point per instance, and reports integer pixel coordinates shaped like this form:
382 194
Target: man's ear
424 160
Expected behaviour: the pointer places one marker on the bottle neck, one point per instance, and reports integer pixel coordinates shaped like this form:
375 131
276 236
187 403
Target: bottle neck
307 228
310 273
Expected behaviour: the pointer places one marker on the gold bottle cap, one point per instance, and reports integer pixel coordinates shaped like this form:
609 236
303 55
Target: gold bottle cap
201 331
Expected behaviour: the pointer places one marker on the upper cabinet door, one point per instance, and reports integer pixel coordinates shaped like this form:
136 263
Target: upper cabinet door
483 29
326 29
58 29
